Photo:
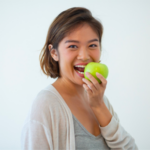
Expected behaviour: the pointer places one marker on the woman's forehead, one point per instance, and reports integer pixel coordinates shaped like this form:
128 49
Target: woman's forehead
86 35
78 28
78 39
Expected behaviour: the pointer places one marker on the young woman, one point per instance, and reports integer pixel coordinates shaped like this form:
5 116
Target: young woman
73 113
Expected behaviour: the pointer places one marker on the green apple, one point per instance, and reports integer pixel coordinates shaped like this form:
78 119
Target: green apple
94 67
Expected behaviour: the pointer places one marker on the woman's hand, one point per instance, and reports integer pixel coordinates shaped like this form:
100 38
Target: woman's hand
95 90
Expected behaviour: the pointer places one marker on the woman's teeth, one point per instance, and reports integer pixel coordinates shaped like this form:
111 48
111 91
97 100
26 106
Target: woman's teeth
80 72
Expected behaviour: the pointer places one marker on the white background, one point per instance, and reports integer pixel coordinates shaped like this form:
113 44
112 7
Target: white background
126 52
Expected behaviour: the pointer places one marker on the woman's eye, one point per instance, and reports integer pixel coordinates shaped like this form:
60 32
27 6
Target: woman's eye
71 46
94 45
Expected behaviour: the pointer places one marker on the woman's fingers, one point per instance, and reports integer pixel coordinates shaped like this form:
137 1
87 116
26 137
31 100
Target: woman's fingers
103 80
88 90
94 83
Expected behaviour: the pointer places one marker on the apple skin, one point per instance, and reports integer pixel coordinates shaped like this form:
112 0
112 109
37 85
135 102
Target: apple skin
94 67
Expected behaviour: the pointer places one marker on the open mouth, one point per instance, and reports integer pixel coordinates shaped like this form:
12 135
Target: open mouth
79 69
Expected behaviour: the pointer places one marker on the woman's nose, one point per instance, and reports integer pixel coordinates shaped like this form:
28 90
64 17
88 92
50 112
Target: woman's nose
83 54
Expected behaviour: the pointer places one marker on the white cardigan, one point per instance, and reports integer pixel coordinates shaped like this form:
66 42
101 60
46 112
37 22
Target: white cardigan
49 125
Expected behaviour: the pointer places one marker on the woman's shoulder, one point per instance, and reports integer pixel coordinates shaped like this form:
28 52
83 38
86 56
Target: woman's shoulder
46 97
45 104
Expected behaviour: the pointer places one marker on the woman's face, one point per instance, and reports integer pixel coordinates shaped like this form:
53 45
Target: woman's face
76 48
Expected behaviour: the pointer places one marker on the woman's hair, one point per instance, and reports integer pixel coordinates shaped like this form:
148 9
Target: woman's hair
60 27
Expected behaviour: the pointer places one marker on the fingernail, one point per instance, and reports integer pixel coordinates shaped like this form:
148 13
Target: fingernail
87 73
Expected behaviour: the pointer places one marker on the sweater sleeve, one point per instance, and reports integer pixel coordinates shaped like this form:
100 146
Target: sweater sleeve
35 136
115 135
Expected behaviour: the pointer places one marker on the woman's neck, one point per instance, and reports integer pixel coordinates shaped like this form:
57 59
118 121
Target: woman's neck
69 88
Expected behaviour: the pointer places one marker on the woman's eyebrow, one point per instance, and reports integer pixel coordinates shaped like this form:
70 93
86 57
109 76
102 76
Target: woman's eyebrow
79 42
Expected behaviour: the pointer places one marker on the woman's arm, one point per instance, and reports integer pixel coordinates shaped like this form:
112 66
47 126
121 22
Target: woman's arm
35 136
115 135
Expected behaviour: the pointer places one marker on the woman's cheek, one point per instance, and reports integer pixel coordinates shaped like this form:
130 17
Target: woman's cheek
69 57
96 55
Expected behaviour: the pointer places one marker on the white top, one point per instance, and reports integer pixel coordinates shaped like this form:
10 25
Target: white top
49 125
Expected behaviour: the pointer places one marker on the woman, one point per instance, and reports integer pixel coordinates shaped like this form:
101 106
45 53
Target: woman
73 113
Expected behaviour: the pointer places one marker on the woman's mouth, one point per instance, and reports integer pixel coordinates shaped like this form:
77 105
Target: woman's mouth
80 70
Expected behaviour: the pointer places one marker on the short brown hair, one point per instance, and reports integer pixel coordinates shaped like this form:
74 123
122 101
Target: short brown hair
60 27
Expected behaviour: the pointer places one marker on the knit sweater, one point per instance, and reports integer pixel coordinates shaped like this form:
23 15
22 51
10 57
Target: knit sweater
49 125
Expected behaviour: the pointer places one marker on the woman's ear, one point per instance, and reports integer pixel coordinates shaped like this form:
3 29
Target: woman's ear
53 52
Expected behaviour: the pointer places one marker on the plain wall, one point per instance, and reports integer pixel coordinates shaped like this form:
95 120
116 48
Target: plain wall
126 52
